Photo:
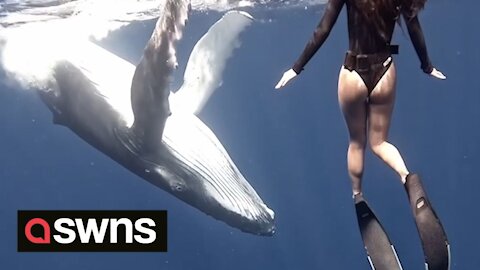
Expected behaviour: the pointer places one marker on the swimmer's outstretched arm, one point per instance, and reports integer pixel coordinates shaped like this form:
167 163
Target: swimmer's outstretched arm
319 36
416 35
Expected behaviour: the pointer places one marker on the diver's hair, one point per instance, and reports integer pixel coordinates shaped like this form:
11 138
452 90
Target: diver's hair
375 8
376 11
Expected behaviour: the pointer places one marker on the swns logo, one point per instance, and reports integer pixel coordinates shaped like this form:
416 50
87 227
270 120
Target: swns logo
92 231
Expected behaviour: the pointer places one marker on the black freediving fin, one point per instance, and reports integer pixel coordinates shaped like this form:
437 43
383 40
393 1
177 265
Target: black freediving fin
434 239
380 251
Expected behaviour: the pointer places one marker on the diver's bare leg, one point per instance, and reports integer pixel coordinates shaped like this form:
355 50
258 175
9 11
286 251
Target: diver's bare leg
352 95
381 104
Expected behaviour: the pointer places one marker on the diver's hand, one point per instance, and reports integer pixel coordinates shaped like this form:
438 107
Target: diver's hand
287 76
437 74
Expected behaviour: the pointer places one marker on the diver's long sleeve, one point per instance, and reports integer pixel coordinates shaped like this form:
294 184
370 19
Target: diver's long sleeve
321 33
418 40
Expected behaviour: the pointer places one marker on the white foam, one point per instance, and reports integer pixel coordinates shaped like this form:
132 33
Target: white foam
16 12
57 27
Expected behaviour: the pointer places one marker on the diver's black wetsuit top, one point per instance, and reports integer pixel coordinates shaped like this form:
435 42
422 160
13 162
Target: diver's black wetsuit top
365 38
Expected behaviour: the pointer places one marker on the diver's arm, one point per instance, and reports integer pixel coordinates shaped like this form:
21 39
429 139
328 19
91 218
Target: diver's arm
319 36
321 33
418 40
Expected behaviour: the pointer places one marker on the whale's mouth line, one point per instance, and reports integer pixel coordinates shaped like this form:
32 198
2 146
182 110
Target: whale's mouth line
221 177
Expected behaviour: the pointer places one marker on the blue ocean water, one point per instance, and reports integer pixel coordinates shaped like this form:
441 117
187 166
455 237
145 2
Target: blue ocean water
290 144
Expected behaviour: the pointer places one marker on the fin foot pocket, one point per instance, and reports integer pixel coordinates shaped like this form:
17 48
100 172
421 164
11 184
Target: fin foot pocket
434 239
421 203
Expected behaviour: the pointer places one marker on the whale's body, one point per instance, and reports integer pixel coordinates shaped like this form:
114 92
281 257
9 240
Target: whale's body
129 114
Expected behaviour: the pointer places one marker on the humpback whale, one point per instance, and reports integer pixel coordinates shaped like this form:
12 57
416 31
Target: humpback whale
129 113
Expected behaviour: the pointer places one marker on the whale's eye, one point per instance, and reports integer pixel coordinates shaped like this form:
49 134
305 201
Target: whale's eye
178 188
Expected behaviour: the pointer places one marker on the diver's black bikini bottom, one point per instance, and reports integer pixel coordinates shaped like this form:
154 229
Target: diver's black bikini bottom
370 67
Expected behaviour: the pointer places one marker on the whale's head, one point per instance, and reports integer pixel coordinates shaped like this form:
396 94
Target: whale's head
199 171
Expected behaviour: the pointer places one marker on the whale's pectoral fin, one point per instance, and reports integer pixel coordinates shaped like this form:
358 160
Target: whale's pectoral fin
150 84
207 61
